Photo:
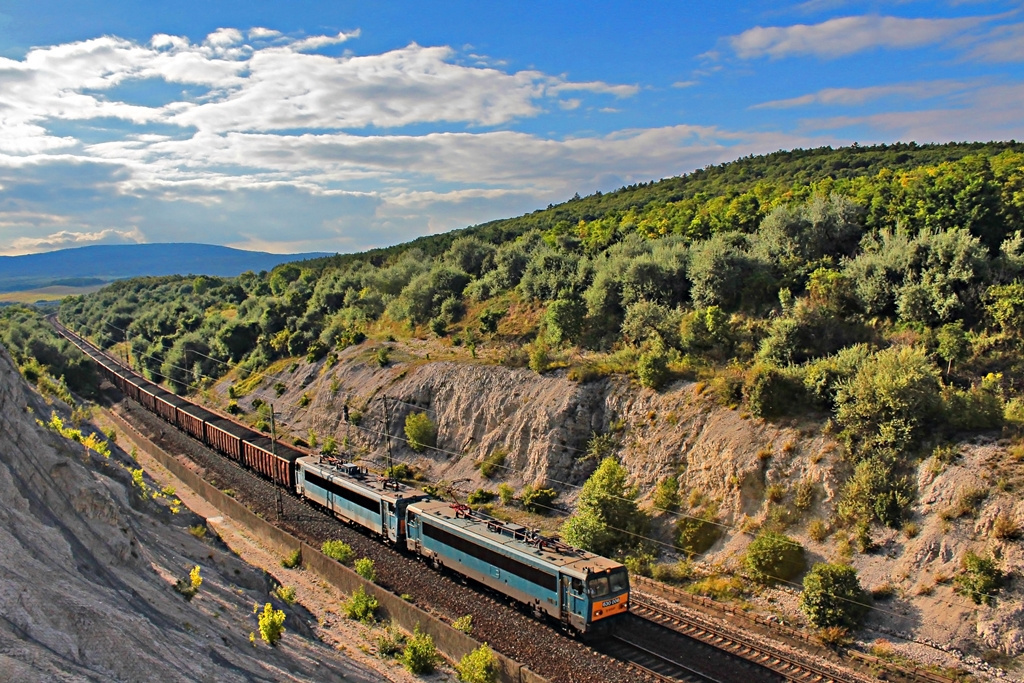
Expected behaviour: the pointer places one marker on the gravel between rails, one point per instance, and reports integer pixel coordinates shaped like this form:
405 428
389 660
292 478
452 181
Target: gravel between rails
545 650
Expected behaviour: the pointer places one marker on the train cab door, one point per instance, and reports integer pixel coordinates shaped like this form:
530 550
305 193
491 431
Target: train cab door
574 599
391 522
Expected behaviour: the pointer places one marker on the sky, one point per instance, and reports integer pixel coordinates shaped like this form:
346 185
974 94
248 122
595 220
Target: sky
341 126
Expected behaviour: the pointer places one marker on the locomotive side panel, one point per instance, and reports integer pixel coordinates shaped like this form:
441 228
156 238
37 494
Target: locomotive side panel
346 499
500 567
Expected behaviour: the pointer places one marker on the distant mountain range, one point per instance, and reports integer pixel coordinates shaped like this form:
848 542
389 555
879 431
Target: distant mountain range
84 266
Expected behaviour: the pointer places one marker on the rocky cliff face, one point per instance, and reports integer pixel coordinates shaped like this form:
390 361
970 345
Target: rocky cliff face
87 569
745 468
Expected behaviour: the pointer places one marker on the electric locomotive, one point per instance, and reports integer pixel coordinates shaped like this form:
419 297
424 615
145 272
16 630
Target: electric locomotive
575 587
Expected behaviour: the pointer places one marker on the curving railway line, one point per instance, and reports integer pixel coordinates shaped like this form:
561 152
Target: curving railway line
656 642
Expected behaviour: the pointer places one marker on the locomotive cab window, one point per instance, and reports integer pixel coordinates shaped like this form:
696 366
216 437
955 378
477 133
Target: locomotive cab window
619 580
598 586
577 586
413 519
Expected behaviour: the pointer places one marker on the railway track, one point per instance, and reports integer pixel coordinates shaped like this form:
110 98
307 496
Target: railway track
785 665
656 665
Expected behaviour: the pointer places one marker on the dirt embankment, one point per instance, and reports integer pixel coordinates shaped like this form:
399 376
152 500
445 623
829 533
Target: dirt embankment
88 568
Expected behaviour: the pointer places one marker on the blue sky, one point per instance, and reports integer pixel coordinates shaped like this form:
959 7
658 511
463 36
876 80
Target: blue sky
340 126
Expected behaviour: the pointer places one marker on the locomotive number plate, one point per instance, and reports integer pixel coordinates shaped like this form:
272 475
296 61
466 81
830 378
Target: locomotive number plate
609 603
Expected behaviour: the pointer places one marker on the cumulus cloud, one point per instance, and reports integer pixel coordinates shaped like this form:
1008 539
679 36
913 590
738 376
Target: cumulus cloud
847 35
280 85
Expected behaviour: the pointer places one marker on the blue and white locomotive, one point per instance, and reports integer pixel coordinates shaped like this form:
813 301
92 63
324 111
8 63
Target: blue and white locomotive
572 586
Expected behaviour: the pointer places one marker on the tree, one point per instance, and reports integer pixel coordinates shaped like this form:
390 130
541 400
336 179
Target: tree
773 557
953 343
607 519
1006 307
564 319
832 596
421 432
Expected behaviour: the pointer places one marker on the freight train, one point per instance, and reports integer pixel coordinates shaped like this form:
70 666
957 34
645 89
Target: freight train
578 589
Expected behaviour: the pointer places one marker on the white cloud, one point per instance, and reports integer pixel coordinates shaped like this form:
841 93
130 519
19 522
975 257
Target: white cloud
315 42
224 37
269 87
988 113
847 35
66 239
684 84
1002 44
263 33
859 96
600 87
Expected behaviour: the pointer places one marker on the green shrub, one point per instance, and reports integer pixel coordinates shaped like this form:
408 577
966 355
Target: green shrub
390 642
817 530
506 494
286 593
271 624
639 563
464 624
652 369
383 356
803 497
696 534
330 446
889 401
773 557
365 568
199 531
666 494
493 463
293 560
770 391
979 580
420 656
538 500
833 596
421 432
361 606
338 550
304 400
480 496
676 572
876 491
478 666
401 472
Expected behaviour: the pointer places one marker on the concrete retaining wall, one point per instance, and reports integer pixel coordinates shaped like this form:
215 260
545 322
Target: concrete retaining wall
454 644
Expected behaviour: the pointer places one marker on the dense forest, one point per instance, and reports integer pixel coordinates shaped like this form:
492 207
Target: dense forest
880 286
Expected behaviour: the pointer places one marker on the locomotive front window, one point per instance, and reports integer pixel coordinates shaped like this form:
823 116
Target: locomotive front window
619 581
598 587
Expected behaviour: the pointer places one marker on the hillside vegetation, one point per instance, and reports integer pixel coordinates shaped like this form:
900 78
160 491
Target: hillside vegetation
871 298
